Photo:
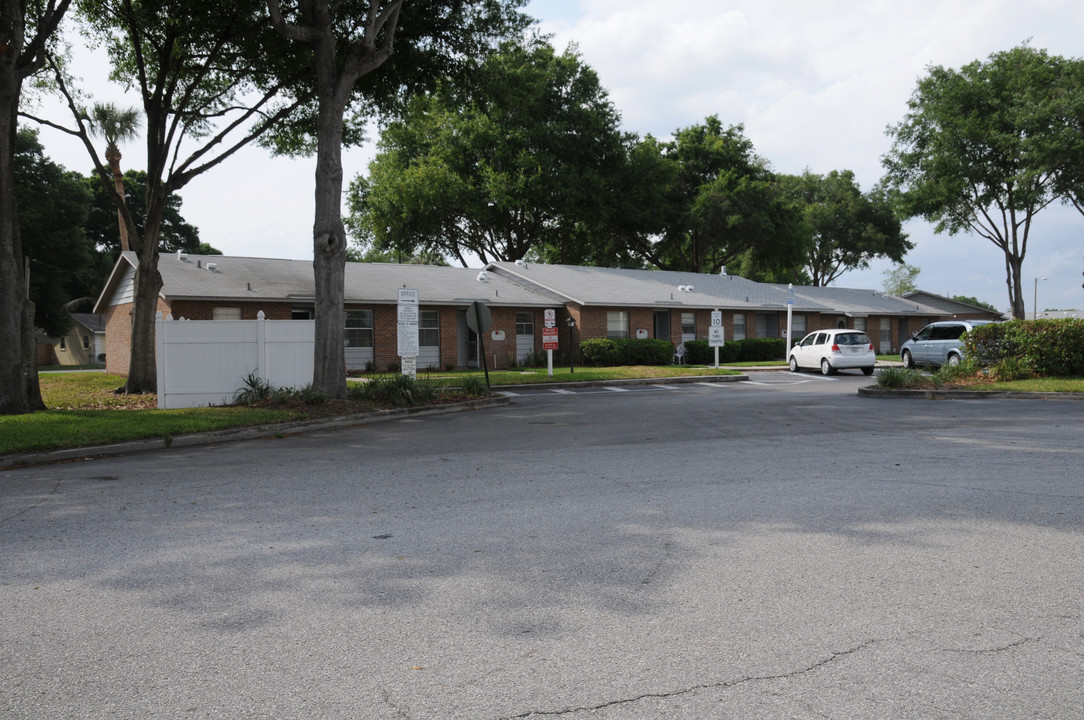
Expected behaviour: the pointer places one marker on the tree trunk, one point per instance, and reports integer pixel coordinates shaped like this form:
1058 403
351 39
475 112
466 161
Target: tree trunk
142 369
19 391
118 181
329 254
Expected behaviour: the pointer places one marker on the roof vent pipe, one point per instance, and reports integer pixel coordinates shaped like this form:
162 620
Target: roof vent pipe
199 263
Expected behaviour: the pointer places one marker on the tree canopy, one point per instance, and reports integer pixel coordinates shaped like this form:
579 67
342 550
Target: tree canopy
53 207
985 148
844 228
719 203
901 279
509 163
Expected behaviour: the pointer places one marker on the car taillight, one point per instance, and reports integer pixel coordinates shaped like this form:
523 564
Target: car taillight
835 348
870 347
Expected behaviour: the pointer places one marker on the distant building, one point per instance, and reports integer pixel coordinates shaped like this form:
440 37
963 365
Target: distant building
603 302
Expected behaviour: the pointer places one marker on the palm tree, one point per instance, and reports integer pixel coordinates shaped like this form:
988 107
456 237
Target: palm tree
115 125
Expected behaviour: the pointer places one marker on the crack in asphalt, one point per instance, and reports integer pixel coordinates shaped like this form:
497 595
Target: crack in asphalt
1001 648
696 688
39 503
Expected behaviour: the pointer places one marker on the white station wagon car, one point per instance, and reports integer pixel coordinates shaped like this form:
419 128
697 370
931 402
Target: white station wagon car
832 350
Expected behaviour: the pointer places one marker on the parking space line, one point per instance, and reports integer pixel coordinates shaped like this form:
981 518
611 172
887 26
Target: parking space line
616 389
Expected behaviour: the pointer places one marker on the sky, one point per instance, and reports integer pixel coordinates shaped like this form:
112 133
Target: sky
815 85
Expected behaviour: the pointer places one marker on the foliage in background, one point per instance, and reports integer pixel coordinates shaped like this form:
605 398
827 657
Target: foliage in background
507 163
901 279
53 205
844 228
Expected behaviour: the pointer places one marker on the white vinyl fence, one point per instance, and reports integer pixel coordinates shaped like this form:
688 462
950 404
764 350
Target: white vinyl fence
204 362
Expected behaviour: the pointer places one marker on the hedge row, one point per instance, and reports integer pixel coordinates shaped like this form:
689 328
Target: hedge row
611 352
1051 348
747 350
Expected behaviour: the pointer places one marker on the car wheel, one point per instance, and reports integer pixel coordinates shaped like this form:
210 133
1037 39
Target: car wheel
908 361
953 360
793 364
867 371
826 367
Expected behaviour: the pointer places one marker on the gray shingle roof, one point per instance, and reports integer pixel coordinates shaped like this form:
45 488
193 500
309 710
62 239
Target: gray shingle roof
645 288
236 278
662 288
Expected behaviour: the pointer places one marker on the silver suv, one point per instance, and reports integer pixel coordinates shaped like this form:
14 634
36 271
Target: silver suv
938 343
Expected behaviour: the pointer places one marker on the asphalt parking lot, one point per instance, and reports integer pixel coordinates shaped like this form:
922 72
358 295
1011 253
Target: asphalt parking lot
780 549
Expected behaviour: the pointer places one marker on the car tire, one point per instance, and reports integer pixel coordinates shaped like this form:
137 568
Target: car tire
908 361
867 371
953 360
793 364
826 367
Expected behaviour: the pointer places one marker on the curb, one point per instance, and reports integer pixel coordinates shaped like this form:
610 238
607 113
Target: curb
874 392
252 432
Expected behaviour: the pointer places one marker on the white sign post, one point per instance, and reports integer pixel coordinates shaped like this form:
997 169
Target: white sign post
790 315
408 331
716 333
549 337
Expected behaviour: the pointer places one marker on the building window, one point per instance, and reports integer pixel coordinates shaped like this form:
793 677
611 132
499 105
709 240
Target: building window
617 324
798 326
524 324
86 343
301 314
429 328
739 326
688 327
359 329
226 313
860 324
63 344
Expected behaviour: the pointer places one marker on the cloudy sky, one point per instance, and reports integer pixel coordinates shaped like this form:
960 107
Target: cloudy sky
814 83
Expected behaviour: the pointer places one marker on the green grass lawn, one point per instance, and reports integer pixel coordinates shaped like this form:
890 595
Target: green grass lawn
83 411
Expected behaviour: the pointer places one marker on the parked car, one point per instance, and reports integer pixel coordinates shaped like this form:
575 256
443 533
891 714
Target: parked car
938 343
832 350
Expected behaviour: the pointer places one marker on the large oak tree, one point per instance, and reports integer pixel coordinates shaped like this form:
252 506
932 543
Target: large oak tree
982 150
506 165
211 78
366 54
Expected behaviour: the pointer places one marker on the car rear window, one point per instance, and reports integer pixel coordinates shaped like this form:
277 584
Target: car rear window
852 339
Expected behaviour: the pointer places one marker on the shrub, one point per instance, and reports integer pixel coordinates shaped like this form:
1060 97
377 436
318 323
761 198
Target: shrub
894 378
625 351
755 349
396 390
475 385
1009 370
952 373
1052 348
254 390
700 353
